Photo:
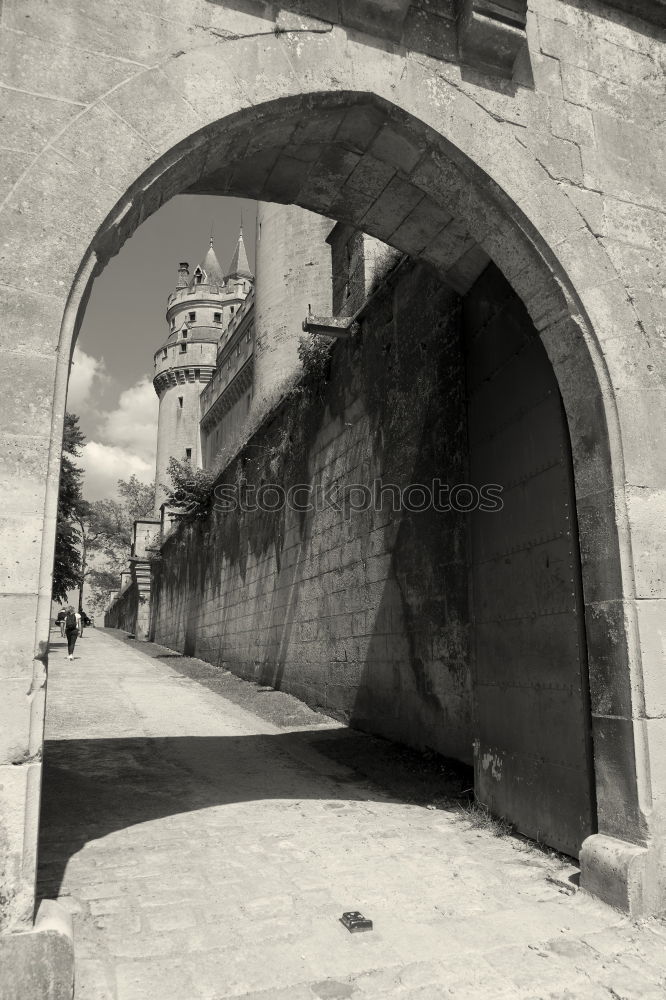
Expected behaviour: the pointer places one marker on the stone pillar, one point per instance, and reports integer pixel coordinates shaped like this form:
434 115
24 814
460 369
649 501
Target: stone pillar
146 538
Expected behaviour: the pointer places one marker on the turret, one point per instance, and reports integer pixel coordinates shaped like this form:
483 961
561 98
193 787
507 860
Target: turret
198 311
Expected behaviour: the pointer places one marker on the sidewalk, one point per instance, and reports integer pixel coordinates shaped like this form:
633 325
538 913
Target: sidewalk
206 854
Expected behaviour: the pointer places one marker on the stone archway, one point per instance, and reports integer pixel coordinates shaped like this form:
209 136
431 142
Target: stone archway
439 178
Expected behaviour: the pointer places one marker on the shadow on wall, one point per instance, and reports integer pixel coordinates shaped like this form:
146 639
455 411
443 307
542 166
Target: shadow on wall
363 614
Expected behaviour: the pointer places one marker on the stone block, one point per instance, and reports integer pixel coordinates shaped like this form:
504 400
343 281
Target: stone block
651 623
31 320
39 964
135 102
62 199
608 659
29 381
646 509
642 414
547 74
571 122
590 204
17 640
32 120
641 269
397 147
15 714
104 143
12 165
142 39
449 246
286 179
590 52
359 127
616 871
22 472
324 184
421 227
371 175
565 343
560 157
20 563
19 821
616 775
45 66
634 224
602 579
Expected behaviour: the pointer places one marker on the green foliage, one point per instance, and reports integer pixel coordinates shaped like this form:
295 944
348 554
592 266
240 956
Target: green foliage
71 507
304 402
191 490
105 532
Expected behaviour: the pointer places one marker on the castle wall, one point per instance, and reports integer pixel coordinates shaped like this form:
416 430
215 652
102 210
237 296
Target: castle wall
293 265
123 611
363 614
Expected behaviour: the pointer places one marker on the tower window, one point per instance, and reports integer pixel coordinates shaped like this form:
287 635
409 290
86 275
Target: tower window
164 352
217 317
193 317
232 310
188 454
184 333
180 402
228 363
173 322
183 348
237 349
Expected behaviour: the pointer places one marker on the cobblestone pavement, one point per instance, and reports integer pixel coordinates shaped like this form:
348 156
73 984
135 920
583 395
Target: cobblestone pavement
206 854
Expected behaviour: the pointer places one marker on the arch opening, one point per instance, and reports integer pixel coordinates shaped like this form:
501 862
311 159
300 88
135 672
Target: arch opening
357 159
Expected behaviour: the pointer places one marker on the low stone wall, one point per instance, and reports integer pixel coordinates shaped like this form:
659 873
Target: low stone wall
364 614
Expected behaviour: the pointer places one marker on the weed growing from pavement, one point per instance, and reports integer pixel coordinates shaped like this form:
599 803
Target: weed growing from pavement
479 817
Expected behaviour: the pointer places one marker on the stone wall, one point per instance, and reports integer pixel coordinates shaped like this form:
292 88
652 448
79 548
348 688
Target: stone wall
123 610
364 614
556 175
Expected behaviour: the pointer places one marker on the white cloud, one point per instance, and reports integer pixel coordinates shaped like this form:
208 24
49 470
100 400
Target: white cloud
132 426
127 434
105 464
85 374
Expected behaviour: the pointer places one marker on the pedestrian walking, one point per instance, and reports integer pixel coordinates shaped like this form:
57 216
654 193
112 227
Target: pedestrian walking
60 620
72 630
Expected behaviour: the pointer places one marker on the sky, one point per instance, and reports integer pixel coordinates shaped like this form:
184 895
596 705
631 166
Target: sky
110 386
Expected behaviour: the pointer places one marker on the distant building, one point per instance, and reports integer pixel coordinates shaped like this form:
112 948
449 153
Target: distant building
200 314
233 337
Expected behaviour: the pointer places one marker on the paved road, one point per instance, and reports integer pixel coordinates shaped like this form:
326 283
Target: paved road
206 854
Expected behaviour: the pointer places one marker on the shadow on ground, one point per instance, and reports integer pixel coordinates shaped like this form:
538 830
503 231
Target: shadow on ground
94 787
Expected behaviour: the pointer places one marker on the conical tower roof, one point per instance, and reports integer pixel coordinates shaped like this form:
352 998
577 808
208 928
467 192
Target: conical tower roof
239 266
209 269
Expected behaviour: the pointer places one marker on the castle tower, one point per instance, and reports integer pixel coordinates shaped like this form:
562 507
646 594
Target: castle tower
198 312
293 272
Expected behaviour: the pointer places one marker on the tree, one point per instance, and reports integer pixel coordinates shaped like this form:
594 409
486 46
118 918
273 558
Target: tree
191 491
105 531
71 507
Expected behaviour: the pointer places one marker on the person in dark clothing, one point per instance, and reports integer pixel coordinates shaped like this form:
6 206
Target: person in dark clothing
60 621
72 629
